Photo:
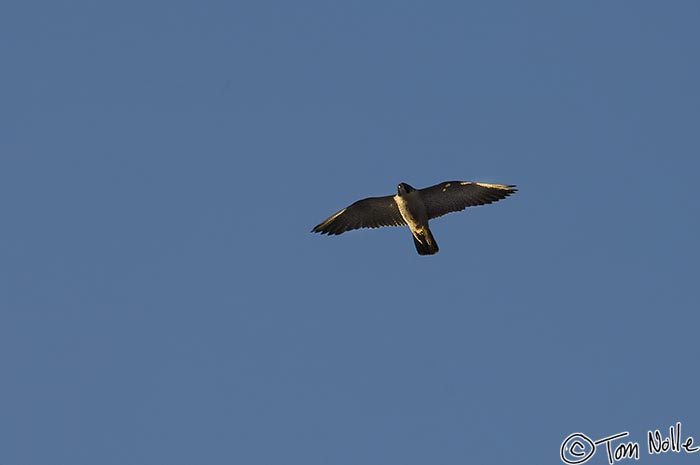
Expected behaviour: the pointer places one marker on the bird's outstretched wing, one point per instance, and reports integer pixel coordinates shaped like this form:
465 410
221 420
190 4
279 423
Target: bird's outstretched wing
454 196
373 212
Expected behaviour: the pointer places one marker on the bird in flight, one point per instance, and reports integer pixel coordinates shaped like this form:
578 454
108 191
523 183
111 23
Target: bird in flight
414 207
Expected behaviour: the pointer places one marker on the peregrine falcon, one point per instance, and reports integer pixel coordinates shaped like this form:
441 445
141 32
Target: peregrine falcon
414 207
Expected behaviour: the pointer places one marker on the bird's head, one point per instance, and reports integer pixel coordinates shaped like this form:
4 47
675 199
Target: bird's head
404 189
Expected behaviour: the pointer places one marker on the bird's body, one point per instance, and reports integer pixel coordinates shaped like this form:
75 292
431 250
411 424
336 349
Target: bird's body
414 208
415 214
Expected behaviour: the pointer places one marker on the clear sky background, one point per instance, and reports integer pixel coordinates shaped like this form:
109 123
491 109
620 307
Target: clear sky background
162 300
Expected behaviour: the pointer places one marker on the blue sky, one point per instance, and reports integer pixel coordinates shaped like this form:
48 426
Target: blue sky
162 163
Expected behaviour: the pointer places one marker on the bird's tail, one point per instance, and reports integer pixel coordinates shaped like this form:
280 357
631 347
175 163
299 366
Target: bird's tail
425 242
